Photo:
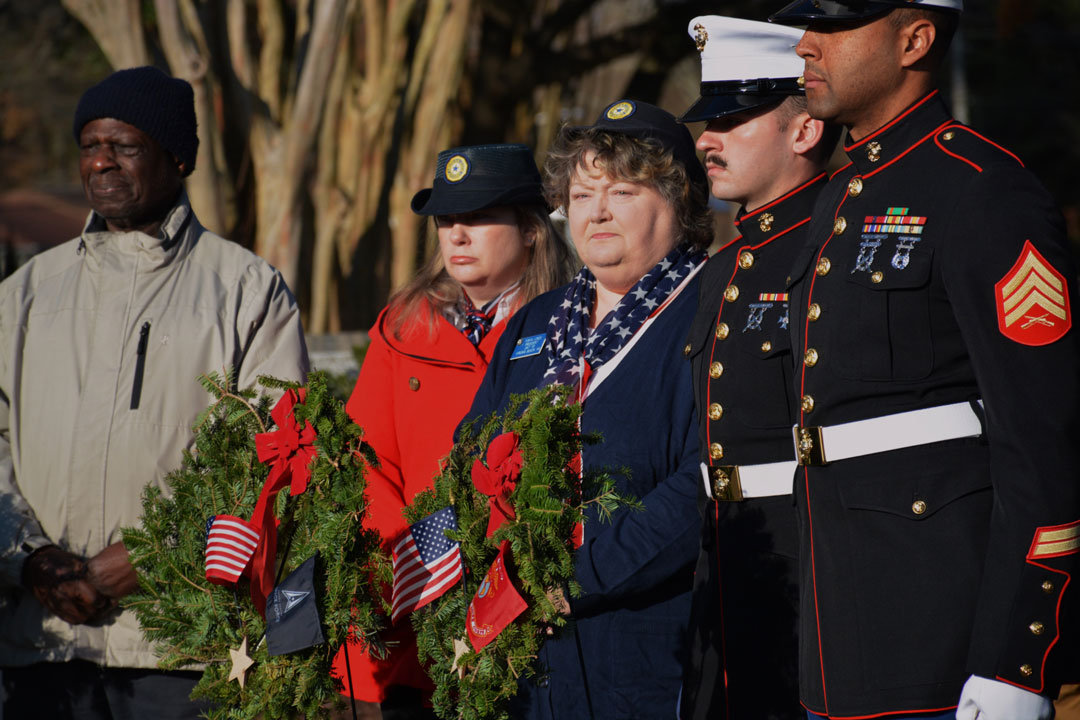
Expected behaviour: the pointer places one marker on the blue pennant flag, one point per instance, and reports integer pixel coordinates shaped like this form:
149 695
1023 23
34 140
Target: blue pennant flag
292 618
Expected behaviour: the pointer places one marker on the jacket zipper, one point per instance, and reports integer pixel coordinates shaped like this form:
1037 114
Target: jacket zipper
140 365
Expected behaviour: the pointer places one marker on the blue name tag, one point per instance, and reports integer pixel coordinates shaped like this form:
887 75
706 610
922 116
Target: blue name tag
529 346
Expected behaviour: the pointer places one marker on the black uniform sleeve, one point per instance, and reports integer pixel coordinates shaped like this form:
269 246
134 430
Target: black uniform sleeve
1004 297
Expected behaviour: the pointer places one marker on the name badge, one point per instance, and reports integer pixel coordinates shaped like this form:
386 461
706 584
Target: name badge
529 346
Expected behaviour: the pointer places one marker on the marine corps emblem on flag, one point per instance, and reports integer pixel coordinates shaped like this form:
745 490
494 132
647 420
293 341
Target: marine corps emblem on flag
495 604
1032 300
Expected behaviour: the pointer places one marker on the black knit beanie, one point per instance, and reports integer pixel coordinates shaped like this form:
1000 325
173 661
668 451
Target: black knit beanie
163 107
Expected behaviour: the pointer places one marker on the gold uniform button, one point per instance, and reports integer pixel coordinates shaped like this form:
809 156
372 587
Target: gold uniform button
686 350
1036 628
722 330
813 312
765 222
746 260
715 411
731 294
854 187
918 507
1026 670
948 136
840 225
1047 587
716 370
807 403
414 384
716 451
766 346
823 267
800 81
877 276
810 357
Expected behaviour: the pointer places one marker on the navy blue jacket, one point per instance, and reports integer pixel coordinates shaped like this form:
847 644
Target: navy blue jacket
622 655
926 564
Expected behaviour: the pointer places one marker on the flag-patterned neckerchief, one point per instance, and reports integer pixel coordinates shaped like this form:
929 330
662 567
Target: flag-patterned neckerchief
569 338
475 323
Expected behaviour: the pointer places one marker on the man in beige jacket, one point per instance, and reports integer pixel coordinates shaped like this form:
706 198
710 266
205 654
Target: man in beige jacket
101 342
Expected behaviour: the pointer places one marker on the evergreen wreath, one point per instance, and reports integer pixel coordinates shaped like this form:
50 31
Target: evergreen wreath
195 622
546 506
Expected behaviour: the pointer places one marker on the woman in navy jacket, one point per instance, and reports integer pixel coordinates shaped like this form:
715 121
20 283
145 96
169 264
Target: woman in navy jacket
635 198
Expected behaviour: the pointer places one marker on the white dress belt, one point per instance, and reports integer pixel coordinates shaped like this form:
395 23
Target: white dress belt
729 483
815 445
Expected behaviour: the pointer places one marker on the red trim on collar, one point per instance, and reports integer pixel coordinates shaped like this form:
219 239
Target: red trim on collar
892 122
842 169
729 243
781 199
935 131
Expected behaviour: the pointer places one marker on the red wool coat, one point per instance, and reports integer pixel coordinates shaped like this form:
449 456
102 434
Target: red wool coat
410 396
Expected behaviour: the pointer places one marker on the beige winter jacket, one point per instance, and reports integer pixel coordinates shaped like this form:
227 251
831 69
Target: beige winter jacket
74 453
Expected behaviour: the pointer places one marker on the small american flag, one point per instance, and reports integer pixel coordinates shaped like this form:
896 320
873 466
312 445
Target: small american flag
426 562
230 543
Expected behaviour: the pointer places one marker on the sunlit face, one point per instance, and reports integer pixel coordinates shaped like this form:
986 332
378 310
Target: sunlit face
746 155
621 229
849 68
128 178
484 250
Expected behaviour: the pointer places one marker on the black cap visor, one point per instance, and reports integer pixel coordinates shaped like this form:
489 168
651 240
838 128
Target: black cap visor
727 98
446 199
802 12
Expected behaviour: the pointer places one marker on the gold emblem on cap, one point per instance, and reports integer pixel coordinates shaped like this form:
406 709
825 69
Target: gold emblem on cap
873 151
457 168
700 37
765 222
800 81
620 110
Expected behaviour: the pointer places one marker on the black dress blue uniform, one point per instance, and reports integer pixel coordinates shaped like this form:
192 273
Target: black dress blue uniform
621 656
743 628
938 544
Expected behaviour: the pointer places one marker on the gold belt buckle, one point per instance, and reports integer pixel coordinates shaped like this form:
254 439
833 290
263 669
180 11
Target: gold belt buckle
726 485
808 445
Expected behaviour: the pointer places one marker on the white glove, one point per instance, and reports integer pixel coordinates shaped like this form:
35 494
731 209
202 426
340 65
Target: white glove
984 699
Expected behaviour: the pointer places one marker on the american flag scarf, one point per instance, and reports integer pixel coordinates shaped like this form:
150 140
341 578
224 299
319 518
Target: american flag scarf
477 320
568 333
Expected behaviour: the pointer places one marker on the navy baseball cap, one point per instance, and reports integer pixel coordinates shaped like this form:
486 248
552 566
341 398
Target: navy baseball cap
802 12
475 177
642 120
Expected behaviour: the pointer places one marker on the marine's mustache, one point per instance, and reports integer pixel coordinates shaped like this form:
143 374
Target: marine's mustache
714 160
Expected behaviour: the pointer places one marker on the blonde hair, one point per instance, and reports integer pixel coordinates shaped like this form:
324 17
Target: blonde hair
552 263
631 159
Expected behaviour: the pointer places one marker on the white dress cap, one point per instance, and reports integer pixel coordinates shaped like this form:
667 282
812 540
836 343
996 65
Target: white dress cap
736 49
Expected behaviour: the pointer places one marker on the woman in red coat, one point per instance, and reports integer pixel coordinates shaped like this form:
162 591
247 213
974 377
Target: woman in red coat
429 350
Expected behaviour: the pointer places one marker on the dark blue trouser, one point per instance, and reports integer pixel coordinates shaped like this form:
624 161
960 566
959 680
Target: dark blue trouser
84 691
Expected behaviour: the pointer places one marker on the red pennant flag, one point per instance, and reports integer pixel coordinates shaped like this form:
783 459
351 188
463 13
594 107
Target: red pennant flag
495 604
499 478
289 450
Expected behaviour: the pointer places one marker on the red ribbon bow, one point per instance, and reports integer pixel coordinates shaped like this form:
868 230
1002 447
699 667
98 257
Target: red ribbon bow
499 478
288 450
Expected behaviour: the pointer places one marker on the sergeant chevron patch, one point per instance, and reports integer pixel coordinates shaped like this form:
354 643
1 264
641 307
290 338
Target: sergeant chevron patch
1055 541
1032 300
